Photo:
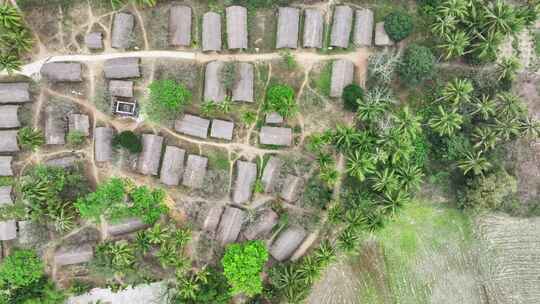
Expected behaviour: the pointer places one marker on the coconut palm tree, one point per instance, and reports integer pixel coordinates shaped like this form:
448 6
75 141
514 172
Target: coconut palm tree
359 165
30 138
455 44
248 117
393 201
348 240
474 162
507 128
443 25
344 137
369 112
484 107
510 106
10 63
316 142
408 123
157 234
507 68
454 8
17 40
410 177
486 138
500 17
446 123
457 91
530 127
487 45
329 175
122 255
325 253
10 18
385 181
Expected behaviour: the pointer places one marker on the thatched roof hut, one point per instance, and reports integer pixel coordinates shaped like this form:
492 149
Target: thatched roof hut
341 28
262 225
62 71
363 27
222 129
8 117
121 88
180 25
103 144
243 88
246 174
94 40
79 122
230 225
275 136
292 188
381 37
148 162
271 173
126 226
342 76
211 32
287 28
122 68
172 167
73 256
213 86
273 118
287 243
122 30
8 141
192 125
55 127
5 166
237 33
313 28
195 171
211 222
8 229
14 92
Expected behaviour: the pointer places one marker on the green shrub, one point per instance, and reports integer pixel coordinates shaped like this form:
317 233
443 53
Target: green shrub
280 98
490 192
76 138
148 204
351 94
417 64
30 138
167 99
398 25
129 141
20 269
108 195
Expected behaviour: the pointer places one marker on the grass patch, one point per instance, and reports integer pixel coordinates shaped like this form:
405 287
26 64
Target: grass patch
324 79
6 181
537 43
219 160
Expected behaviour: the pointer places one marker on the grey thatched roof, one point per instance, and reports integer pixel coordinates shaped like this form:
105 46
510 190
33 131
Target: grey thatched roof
222 129
211 32
381 37
287 28
63 162
271 173
62 71
5 196
9 117
148 162
363 27
246 174
262 225
313 28
341 28
172 167
230 225
126 226
342 76
5 166
122 88
195 171
180 25
103 144
8 141
213 86
122 30
79 122
8 230
292 188
274 118
212 219
55 127
192 125
287 242
94 40
275 136
14 92
237 33
122 68
243 88
72 256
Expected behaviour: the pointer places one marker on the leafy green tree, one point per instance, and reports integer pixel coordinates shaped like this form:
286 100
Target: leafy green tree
21 268
353 95
398 25
417 64
129 141
280 99
30 138
167 99
474 162
446 123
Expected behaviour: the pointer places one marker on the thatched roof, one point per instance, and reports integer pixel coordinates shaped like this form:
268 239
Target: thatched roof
94 40
246 174
363 27
122 30
262 225
213 86
287 28
5 196
63 162
292 188
5 166
125 226
9 117
313 28
55 127
148 162
212 219
72 256
195 171
8 141
8 230
122 68
273 118
172 167
287 242
222 129
342 76
381 37
275 136
103 144
230 225
192 125
180 25
341 28
79 122
62 71
237 33
121 88
271 173
211 32
243 88
14 92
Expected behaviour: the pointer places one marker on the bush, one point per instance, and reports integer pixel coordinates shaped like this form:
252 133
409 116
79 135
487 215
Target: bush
167 99
280 98
76 138
30 138
129 141
148 204
20 269
490 192
417 64
351 94
107 196
398 25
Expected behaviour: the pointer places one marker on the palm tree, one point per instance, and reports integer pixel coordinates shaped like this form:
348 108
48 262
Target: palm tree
484 106
325 253
446 123
316 142
348 240
180 237
507 128
410 177
359 165
142 241
344 137
249 117
224 106
507 68
487 45
149 3
30 138
18 40
486 138
394 200
122 255
9 17
309 269
500 17
454 8
208 108
457 91
510 106
325 160
408 123
369 112
443 25
285 276
329 175
530 127
188 287
167 255
62 216
474 162
10 63
157 234
455 44
385 181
